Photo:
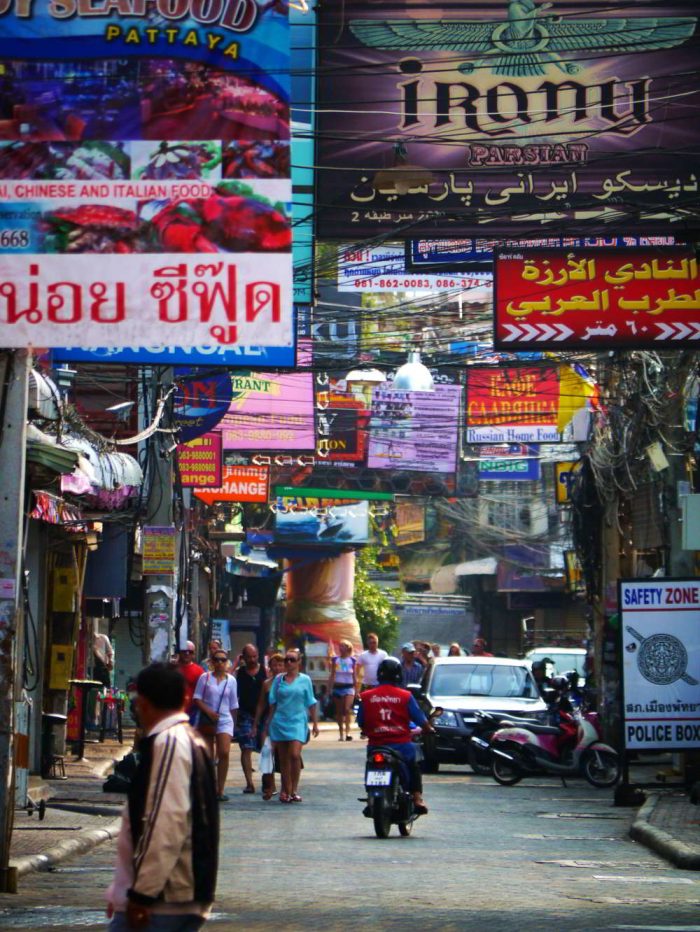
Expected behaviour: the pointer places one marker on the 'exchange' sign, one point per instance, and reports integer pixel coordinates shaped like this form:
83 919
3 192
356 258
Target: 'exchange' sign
660 621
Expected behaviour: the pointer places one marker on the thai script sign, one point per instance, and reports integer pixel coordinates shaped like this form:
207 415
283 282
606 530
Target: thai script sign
159 548
239 484
383 268
660 630
443 254
157 140
505 115
596 299
199 462
414 430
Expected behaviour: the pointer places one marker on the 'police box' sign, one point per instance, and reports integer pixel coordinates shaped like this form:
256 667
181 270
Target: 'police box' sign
660 628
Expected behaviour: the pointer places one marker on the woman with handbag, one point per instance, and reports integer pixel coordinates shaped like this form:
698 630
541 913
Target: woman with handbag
216 698
292 702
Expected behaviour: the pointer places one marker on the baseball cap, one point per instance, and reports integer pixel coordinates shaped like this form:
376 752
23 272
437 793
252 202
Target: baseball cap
409 645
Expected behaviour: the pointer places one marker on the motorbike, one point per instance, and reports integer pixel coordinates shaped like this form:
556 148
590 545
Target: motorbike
388 799
487 723
517 750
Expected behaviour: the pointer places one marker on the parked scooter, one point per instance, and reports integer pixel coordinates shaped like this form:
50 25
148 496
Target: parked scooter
486 725
520 749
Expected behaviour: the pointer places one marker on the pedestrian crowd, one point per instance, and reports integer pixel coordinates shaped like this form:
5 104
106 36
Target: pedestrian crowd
188 715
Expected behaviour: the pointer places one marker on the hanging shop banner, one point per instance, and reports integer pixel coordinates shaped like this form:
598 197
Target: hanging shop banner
342 420
383 268
443 254
597 298
160 143
283 357
410 523
300 522
199 462
200 402
505 115
511 461
238 484
159 549
415 430
520 404
660 629
270 411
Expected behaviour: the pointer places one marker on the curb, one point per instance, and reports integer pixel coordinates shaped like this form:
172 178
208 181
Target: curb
684 856
83 841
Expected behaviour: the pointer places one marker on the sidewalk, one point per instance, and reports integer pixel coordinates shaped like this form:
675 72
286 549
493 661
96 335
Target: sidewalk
669 824
78 815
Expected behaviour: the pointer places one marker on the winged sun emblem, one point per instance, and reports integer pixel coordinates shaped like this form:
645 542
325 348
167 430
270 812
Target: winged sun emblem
527 42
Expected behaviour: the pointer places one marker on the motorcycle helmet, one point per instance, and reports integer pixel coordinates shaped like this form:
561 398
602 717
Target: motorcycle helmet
560 683
389 671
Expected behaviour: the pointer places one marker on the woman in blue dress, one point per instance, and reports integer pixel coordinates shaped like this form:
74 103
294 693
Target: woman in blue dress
292 703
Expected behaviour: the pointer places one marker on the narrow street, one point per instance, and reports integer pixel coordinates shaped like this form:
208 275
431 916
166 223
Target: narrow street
529 857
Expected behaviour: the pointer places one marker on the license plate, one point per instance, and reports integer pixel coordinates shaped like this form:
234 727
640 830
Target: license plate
378 778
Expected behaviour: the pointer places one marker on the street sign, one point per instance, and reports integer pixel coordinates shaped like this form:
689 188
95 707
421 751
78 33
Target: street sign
596 298
511 461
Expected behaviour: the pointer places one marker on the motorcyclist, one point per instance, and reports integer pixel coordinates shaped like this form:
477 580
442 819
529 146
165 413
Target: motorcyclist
387 715
568 727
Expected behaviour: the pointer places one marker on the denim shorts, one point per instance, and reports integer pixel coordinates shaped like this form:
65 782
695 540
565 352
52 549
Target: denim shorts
159 923
339 691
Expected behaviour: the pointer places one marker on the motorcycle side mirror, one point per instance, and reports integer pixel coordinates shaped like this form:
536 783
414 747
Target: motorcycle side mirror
416 690
437 712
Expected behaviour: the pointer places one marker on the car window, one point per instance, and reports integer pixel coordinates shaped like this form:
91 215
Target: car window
483 680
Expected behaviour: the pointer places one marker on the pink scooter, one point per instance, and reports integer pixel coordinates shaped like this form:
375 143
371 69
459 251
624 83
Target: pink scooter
518 750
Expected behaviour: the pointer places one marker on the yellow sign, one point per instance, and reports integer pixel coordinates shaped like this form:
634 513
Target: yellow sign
564 474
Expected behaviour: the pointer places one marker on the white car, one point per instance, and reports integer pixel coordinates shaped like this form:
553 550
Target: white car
562 660
462 686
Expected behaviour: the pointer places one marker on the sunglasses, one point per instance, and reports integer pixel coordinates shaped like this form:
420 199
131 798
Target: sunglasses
291 659
220 659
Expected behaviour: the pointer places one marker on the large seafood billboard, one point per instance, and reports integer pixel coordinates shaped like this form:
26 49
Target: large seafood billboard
155 137
506 118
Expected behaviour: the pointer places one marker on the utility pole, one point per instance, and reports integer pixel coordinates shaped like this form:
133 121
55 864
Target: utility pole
14 384
160 589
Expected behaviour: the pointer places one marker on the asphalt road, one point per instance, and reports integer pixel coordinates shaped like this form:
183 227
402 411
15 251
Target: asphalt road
487 857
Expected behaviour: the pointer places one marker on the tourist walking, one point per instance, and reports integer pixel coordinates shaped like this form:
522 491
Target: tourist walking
369 660
191 672
275 665
250 677
167 850
292 702
342 685
216 697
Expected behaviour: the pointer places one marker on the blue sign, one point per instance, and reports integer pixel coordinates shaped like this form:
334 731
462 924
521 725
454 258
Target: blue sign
200 402
501 462
279 357
424 254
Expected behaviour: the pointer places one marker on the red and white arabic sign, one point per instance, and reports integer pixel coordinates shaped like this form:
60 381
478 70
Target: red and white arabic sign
596 298
186 300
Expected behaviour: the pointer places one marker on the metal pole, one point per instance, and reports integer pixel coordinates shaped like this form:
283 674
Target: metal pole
14 384
159 590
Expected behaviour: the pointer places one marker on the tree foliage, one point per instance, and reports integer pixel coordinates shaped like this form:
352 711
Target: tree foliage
372 605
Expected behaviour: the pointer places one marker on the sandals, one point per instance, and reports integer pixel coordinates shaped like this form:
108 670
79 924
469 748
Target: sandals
249 789
295 798
268 794
284 798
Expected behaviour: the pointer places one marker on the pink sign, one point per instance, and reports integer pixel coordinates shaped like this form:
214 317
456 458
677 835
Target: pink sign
270 411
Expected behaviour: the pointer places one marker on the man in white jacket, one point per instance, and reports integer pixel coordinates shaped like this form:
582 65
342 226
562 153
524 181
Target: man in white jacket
167 852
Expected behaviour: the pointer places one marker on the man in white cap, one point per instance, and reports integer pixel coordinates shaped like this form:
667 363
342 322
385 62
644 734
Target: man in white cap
191 672
411 669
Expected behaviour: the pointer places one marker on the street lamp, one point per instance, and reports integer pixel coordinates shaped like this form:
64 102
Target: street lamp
413 376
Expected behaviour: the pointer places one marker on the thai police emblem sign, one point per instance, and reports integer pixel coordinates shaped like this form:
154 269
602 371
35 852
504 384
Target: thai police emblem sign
660 629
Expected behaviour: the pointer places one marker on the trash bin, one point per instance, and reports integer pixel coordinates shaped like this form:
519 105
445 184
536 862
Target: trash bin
52 763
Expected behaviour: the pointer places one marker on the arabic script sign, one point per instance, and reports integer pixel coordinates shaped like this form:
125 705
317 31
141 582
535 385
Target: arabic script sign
596 298
507 116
